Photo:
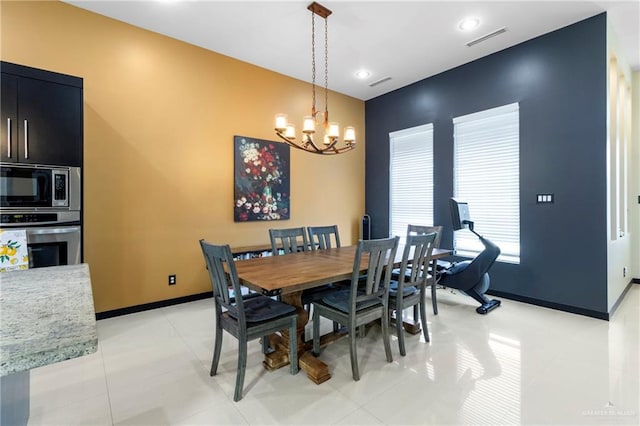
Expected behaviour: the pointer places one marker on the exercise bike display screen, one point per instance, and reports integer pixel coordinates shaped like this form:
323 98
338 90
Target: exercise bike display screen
459 214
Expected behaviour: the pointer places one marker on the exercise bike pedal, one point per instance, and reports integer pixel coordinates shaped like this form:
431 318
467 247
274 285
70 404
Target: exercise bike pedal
488 307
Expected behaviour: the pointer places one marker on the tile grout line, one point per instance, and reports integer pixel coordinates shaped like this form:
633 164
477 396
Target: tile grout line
106 382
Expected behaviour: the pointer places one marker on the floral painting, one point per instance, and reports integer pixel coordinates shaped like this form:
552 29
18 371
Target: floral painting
261 180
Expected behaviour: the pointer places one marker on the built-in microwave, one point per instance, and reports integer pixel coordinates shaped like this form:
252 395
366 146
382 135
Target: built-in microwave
34 186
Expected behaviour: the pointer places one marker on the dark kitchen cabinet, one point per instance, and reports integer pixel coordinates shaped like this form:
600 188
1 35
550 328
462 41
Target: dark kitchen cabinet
9 118
41 119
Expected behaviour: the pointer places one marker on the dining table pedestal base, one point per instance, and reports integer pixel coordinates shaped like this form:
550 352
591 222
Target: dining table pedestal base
317 371
279 357
411 326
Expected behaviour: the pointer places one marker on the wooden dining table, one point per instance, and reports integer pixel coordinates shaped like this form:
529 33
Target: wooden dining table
287 276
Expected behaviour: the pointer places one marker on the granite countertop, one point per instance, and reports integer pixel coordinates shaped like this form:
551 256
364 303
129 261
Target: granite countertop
46 316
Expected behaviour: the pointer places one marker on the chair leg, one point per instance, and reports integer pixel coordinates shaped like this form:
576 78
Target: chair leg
385 334
217 348
316 332
242 366
423 320
400 331
354 356
293 346
434 301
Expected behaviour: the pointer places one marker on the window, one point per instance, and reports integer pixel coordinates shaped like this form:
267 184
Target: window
411 178
487 176
619 144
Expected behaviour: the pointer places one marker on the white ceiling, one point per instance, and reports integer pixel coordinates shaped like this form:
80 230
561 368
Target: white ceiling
404 40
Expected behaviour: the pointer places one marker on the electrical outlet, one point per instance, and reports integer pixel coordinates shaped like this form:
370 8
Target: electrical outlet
172 280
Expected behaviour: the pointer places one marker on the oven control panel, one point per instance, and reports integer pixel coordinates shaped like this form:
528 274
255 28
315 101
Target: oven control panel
10 218
14 219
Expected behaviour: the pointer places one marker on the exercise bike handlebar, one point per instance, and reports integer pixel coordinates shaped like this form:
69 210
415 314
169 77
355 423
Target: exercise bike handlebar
470 223
471 275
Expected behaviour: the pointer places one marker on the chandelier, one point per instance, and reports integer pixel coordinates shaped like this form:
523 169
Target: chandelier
330 140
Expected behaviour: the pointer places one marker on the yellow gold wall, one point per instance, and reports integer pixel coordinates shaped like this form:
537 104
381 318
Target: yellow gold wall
159 121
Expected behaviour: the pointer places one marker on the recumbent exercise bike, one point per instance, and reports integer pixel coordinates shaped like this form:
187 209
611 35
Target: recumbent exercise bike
471 276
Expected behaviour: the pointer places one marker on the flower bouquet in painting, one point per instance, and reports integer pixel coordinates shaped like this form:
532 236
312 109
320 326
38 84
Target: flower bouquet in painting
261 178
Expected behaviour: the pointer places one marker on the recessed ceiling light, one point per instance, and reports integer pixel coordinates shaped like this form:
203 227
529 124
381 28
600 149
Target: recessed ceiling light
468 24
362 74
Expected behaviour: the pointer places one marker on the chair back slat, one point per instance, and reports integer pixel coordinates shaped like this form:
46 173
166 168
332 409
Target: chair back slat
320 237
421 230
381 254
224 281
415 259
291 240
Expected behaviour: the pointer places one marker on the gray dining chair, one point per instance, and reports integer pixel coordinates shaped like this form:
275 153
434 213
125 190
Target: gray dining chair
423 230
290 240
326 237
432 277
245 318
294 240
361 304
323 237
410 287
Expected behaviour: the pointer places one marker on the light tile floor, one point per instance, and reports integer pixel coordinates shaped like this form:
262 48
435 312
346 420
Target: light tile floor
520 364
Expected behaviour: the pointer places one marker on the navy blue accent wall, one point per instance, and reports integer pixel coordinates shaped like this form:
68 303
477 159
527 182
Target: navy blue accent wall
560 80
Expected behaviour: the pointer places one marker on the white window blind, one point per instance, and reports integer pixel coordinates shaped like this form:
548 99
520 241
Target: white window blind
487 176
411 178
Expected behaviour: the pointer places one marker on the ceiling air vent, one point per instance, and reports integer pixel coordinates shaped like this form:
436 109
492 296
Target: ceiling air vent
487 36
382 80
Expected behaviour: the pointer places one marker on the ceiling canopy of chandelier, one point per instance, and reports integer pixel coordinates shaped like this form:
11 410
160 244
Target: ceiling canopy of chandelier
331 140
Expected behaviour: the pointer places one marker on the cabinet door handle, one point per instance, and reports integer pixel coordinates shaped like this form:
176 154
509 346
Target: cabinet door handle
8 137
26 139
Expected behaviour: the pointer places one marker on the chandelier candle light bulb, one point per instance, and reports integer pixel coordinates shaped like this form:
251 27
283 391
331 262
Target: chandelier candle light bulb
281 122
334 130
349 134
309 124
290 133
331 137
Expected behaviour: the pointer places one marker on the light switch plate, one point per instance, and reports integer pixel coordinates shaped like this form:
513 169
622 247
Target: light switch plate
544 198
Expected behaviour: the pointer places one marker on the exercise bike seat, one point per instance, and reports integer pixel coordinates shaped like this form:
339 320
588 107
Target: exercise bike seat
471 276
466 274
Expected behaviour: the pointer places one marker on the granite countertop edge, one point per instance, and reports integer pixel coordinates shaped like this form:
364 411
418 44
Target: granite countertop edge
40 359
